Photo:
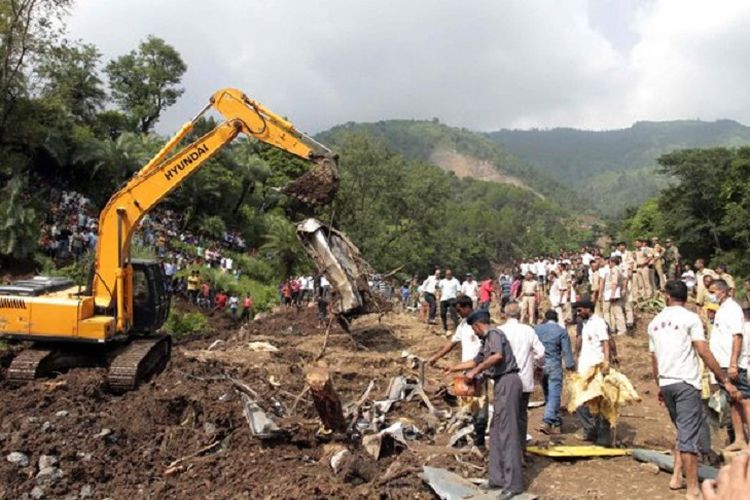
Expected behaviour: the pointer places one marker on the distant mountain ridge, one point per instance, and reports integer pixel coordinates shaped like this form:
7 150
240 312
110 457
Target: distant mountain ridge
567 152
595 172
614 169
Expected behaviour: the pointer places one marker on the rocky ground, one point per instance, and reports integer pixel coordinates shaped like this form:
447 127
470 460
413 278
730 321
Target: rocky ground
184 433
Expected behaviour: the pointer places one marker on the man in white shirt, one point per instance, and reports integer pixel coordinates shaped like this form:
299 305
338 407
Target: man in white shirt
592 348
470 288
429 288
676 341
529 353
449 287
308 289
470 345
730 350
586 257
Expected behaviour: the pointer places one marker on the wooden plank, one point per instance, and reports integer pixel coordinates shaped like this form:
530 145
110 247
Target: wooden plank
578 451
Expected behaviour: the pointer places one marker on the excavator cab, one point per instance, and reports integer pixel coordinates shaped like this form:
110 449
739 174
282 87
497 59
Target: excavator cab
151 297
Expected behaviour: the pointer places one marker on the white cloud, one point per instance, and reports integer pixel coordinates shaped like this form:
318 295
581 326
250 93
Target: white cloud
692 61
482 64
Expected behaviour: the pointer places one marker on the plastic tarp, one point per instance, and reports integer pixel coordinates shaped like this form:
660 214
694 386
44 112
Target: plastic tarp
604 394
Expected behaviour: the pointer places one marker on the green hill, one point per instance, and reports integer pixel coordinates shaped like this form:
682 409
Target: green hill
461 151
615 169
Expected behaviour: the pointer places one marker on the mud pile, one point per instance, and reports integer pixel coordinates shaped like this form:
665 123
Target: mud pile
103 445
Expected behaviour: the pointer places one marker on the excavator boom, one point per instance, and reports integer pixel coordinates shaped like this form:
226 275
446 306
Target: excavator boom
164 173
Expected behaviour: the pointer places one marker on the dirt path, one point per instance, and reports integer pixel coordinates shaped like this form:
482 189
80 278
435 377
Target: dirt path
117 446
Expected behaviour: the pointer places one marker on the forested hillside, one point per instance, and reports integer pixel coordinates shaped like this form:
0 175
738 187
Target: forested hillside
464 152
615 169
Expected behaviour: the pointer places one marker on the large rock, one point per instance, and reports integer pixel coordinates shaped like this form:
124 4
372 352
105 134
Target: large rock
49 475
18 458
46 461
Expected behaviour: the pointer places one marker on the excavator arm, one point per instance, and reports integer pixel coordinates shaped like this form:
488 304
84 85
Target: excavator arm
112 282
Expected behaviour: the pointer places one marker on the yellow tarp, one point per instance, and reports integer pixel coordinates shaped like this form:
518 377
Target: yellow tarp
578 451
604 394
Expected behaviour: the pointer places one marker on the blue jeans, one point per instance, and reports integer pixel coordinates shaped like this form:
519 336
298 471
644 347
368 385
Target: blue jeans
552 384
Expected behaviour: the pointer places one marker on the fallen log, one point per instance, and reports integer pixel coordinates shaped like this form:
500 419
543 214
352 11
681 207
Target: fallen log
327 401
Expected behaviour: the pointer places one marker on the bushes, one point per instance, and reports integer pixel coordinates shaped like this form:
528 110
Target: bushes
264 296
180 324
256 269
213 226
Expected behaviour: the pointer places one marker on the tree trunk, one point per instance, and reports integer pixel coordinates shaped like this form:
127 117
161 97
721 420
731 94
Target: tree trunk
327 402
246 185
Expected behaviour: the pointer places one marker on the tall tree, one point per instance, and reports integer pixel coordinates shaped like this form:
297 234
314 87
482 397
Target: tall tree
68 73
147 81
26 26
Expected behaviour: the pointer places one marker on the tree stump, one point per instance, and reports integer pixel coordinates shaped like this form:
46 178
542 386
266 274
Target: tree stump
327 402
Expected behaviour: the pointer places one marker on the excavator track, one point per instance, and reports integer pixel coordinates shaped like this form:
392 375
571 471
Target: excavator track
137 361
28 365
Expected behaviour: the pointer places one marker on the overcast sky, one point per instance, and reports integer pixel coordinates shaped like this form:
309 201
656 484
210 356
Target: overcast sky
481 64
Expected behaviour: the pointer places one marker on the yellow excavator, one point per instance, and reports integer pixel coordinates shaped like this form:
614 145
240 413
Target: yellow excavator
115 320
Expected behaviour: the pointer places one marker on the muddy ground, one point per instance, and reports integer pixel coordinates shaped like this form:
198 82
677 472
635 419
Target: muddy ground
184 434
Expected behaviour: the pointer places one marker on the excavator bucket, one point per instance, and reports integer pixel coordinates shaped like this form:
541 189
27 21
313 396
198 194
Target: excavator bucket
319 185
341 263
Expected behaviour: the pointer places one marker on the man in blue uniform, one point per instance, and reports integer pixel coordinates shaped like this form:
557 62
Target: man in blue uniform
496 361
557 348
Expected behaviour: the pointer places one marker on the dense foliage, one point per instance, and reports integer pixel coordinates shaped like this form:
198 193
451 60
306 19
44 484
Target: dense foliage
706 209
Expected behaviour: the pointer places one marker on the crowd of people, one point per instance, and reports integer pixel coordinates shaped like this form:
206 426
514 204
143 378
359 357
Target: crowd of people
70 230
699 343
301 291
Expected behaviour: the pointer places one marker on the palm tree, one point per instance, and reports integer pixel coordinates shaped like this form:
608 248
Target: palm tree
282 244
114 161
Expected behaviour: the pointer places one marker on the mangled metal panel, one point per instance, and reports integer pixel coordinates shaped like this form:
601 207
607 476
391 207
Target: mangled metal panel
341 263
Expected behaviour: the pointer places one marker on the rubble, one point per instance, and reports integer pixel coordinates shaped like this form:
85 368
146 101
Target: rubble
260 423
262 346
191 433
395 433
46 461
